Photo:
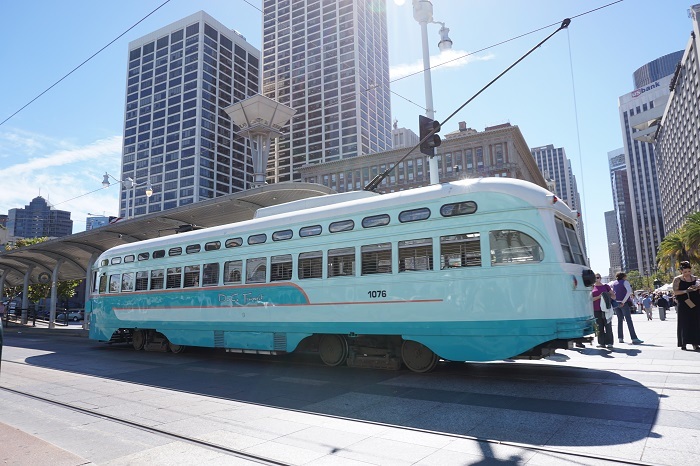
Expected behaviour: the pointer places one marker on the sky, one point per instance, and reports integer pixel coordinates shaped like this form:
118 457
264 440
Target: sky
565 93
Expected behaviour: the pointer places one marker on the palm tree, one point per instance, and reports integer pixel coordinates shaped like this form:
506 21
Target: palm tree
672 249
691 235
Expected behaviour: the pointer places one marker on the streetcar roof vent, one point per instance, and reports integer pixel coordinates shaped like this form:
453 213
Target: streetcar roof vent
310 203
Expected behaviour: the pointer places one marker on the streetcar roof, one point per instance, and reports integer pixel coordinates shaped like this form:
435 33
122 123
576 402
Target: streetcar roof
323 207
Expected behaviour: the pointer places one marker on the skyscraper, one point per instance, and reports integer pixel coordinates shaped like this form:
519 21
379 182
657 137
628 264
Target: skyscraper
176 134
614 251
656 69
640 111
555 165
678 139
623 210
39 219
329 60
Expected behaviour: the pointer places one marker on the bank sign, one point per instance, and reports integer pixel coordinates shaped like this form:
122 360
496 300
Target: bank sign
642 90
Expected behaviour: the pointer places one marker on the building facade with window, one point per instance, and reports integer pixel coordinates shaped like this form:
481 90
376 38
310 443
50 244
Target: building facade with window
556 166
329 60
614 252
640 111
497 151
678 137
623 210
39 219
176 133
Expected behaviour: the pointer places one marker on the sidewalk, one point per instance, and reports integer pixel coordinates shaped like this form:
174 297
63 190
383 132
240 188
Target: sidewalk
28 450
42 327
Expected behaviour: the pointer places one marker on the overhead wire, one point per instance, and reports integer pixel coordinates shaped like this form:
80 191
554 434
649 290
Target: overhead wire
83 63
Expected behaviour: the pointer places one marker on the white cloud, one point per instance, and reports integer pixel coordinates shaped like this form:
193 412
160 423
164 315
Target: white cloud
446 59
63 176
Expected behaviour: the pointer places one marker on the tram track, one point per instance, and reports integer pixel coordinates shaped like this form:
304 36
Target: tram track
574 456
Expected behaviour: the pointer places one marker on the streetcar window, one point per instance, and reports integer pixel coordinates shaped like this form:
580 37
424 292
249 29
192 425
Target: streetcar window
143 256
114 283
513 247
129 258
375 221
376 258
281 268
104 262
257 239
232 272
256 270
141 281
280 235
569 242
212 246
116 260
210 275
234 242
174 277
341 262
159 253
310 231
157 280
103 283
175 251
458 208
460 250
414 215
343 225
128 281
416 254
193 248
191 276
310 265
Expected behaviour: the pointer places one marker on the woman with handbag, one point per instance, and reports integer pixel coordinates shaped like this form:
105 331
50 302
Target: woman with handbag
688 305
603 312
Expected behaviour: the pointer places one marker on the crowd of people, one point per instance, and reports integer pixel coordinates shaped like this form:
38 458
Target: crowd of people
616 299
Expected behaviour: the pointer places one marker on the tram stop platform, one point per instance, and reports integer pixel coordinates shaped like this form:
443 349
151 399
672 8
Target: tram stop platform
636 404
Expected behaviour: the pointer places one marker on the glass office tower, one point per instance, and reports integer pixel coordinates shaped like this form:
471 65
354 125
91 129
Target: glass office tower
329 60
176 133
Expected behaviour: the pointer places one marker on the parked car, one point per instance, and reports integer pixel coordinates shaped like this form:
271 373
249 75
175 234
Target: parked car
72 316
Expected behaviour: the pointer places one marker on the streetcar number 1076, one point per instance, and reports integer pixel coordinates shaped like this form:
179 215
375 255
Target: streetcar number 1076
377 294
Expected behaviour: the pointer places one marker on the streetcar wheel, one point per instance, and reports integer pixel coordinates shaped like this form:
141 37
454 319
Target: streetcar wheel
138 339
176 348
333 349
418 357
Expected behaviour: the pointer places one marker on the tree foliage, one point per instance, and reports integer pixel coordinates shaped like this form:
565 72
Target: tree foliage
64 289
681 245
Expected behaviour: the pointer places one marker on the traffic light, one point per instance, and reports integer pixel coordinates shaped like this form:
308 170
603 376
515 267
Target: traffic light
428 135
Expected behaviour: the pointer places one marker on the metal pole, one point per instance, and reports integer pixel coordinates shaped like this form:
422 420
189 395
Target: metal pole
423 19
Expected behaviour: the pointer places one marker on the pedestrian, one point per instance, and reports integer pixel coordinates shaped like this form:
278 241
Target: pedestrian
623 293
646 303
685 289
602 300
663 304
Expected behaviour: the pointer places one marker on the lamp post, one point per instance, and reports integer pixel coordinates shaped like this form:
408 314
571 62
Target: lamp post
423 13
130 185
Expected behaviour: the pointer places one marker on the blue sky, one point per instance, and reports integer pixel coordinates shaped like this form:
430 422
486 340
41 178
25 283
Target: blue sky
60 146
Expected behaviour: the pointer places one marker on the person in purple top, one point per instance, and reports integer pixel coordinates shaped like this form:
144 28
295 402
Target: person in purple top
623 294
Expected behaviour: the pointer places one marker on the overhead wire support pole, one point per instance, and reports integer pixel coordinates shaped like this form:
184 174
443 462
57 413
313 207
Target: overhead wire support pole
372 185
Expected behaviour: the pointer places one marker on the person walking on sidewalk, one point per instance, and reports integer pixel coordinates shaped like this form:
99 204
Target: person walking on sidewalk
688 305
602 301
663 304
623 293
646 303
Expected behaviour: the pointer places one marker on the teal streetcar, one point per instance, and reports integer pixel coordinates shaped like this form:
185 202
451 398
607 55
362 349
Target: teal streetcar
473 270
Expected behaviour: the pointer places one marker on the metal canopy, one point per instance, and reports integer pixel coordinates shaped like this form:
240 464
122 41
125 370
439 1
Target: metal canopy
76 250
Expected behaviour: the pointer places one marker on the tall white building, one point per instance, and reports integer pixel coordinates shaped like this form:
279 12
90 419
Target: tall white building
678 138
329 60
639 110
614 252
176 134
555 165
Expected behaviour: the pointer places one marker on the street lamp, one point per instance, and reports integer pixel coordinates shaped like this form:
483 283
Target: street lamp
423 13
130 185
